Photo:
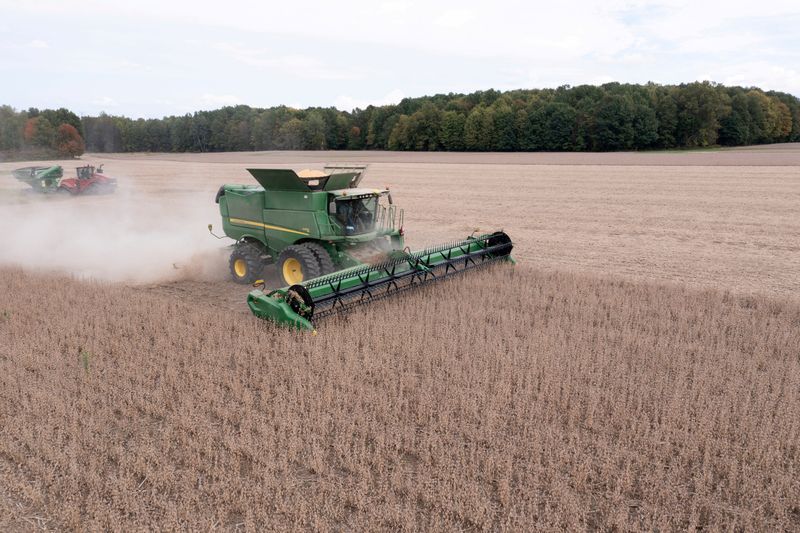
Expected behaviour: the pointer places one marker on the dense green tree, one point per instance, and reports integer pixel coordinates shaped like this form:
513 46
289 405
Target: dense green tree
314 131
613 116
504 131
290 135
550 127
666 109
645 126
479 129
793 105
735 128
12 125
614 123
423 128
39 132
700 107
180 133
59 116
200 132
452 134
398 138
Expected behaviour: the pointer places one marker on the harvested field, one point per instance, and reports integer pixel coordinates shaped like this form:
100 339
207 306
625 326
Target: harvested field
725 219
562 401
639 369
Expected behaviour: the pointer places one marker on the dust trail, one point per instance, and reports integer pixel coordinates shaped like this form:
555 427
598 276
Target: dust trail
127 236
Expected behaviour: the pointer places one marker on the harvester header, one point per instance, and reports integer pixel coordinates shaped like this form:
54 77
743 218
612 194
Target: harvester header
301 304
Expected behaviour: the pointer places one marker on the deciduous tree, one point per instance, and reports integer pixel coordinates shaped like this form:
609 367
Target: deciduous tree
68 141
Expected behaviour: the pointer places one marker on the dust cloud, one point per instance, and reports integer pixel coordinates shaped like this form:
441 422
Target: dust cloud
122 237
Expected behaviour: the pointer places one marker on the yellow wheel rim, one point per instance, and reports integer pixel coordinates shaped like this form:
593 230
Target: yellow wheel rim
292 271
240 267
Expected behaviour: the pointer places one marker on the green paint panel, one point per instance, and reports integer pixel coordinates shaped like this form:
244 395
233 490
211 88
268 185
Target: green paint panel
276 310
284 211
295 201
244 203
340 181
41 179
278 179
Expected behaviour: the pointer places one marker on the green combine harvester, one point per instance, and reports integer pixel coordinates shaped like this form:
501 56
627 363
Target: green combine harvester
335 244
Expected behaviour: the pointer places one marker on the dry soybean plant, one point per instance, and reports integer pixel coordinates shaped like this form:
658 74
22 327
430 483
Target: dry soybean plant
509 399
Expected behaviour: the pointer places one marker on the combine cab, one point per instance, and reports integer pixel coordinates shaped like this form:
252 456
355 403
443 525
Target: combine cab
335 244
50 179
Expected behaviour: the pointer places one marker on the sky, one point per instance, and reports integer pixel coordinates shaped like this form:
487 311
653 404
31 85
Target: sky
156 58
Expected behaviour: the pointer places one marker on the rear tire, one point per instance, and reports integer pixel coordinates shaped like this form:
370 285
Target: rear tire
246 264
326 265
297 263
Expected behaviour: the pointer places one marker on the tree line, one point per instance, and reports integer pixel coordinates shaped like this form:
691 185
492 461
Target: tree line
41 134
608 117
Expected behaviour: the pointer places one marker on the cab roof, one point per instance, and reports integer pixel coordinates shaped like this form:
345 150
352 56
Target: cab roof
344 193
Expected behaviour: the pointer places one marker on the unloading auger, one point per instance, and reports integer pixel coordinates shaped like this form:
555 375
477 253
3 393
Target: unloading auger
302 304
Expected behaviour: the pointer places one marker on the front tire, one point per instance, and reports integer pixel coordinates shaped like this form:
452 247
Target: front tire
326 265
245 263
297 263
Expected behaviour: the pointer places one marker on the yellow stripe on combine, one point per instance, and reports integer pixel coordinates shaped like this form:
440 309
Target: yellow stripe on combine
265 226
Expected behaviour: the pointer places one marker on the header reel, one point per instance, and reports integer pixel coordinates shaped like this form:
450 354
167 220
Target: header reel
301 305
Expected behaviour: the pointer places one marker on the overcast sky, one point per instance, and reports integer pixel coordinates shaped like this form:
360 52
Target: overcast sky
148 58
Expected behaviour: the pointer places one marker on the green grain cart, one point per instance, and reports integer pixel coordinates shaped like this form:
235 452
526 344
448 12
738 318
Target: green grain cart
41 179
334 244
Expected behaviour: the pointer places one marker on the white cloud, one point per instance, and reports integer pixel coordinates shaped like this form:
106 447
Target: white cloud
348 103
105 102
299 65
263 54
394 7
217 100
125 64
759 74
455 18
515 28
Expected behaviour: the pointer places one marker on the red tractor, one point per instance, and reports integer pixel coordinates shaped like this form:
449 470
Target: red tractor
90 180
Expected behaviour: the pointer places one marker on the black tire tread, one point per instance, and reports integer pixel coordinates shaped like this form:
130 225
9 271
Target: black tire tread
308 261
252 256
326 265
